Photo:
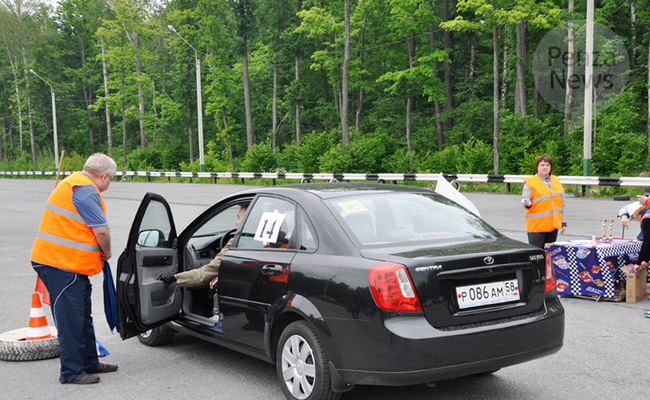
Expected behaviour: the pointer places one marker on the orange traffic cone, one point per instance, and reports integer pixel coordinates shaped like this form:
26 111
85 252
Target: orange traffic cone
38 328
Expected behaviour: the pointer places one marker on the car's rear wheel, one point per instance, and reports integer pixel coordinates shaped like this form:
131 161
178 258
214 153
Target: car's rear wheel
155 337
302 364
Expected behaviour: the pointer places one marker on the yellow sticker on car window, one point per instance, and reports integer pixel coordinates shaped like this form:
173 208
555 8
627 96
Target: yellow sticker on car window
352 206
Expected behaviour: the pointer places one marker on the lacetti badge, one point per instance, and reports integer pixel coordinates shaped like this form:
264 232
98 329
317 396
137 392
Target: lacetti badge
429 268
489 260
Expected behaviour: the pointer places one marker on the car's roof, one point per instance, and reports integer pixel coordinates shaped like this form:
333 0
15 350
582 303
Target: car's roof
335 189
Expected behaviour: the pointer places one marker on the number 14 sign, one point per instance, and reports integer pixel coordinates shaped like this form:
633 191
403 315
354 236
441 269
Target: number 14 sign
269 227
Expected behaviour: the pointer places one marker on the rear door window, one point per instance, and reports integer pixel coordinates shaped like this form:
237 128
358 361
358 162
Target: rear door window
270 224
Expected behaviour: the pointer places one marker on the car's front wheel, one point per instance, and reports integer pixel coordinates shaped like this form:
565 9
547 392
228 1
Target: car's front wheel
302 364
155 337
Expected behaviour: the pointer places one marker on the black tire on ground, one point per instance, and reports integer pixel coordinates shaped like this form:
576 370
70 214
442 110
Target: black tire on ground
622 197
15 347
302 364
155 337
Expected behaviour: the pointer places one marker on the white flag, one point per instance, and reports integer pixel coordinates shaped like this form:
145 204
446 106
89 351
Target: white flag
444 188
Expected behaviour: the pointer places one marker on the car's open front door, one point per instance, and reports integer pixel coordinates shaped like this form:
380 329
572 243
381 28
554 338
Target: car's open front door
143 301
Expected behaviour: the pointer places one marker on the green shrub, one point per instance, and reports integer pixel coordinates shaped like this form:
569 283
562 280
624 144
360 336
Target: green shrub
312 147
398 162
337 160
477 158
447 161
148 159
365 154
73 162
261 158
287 159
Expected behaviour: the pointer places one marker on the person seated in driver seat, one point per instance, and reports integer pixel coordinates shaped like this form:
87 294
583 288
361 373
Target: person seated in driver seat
207 273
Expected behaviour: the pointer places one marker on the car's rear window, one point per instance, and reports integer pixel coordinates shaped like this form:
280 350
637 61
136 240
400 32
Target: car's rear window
398 217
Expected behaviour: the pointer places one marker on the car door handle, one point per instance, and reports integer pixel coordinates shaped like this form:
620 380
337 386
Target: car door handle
272 269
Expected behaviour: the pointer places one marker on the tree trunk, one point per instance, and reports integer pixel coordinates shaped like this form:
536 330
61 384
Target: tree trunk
632 34
87 92
275 81
504 77
123 110
495 98
143 136
359 108
250 135
11 137
109 133
357 114
521 100
344 78
134 39
471 69
32 138
648 96
568 95
297 78
409 142
190 132
274 121
298 135
4 135
154 128
225 126
436 102
14 71
448 46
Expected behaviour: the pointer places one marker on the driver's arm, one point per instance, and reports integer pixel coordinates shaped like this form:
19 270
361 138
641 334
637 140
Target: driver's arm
200 276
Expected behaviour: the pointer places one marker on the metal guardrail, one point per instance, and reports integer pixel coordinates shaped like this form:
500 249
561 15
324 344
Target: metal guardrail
388 177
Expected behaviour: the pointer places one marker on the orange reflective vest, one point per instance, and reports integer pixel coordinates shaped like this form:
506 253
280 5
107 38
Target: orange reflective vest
64 240
545 214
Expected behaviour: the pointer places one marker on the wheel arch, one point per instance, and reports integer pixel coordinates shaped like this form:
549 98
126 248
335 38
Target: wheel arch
296 307
336 383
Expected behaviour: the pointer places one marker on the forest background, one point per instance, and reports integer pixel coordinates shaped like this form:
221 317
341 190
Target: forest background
338 86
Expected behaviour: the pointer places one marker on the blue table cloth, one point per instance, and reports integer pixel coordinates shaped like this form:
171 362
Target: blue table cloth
591 268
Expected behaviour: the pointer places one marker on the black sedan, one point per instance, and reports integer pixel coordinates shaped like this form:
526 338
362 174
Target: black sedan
343 284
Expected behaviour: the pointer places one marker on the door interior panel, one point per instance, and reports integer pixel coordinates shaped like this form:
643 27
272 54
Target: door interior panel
157 302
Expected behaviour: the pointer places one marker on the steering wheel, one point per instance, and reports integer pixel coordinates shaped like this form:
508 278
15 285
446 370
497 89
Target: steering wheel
226 237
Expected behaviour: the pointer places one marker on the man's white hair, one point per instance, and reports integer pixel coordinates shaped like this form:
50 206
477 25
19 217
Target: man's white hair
99 164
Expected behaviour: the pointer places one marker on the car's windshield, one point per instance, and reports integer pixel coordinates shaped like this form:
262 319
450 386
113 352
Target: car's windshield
397 217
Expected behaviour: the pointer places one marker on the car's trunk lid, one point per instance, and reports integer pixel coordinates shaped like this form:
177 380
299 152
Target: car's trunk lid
473 282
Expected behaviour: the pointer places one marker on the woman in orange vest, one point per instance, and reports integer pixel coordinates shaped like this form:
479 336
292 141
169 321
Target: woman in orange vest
543 199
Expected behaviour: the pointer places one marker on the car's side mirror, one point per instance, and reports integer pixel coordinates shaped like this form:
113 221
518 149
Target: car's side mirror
150 238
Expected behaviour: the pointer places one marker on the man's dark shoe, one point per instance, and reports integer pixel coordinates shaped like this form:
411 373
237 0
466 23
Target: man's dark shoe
101 368
84 379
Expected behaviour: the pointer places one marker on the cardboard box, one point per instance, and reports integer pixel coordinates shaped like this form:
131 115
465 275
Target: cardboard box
635 284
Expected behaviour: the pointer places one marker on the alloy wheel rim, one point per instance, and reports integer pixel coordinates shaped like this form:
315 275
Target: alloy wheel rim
298 367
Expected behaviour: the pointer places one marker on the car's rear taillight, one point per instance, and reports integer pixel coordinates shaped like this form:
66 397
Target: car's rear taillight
392 289
550 275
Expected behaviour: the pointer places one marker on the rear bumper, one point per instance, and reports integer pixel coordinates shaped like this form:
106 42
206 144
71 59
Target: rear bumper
441 373
417 353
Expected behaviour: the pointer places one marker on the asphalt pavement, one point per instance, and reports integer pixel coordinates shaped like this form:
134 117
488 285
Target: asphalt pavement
604 354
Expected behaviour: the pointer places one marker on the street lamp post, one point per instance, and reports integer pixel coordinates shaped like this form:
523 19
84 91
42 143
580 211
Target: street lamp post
56 140
199 97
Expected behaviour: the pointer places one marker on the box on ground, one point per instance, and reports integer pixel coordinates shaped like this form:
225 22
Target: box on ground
635 284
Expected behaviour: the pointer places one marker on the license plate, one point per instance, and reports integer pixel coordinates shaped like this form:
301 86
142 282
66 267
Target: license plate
487 293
